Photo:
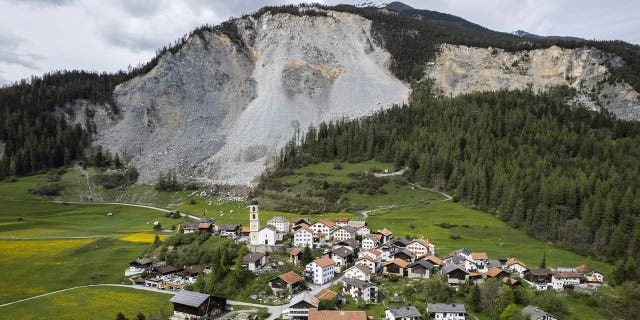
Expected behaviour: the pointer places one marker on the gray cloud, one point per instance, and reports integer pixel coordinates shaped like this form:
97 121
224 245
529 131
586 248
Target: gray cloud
45 2
10 53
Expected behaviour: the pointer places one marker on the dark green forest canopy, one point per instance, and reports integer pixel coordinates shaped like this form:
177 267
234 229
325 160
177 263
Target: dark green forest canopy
565 174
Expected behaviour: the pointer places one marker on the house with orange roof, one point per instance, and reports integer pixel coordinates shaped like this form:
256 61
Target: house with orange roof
516 266
368 262
386 235
328 294
322 270
342 221
358 271
480 260
294 256
325 226
421 247
397 267
315 314
371 241
289 283
433 259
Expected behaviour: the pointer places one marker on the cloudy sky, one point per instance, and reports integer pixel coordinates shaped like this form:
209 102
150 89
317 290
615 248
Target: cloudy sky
37 36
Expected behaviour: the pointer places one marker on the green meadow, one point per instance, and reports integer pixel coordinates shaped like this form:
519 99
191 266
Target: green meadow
91 303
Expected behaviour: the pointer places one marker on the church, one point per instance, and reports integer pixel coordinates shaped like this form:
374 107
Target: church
268 235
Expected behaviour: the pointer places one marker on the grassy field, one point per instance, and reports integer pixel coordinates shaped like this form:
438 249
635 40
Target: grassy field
90 303
49 246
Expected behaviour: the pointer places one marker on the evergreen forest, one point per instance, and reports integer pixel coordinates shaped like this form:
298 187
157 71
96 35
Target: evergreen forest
564 174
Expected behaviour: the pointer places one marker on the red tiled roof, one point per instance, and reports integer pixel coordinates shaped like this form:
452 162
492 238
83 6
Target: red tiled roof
324 261
399 262
326 294
290 277
315 314
295 252
479 256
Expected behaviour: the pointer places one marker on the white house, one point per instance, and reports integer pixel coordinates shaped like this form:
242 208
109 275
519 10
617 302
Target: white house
533 313
517 266
322 270
370 242
480 260
358 289
280 223
358 271
254 261
325 226
303 237
267 235
403 313
561 279
421 247
344 233
446 311
341 221
363 231
342 256
368 262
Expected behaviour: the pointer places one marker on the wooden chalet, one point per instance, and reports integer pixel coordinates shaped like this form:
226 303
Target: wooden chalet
188 304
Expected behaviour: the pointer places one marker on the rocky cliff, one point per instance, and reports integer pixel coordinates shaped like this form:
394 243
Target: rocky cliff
219 111
461 69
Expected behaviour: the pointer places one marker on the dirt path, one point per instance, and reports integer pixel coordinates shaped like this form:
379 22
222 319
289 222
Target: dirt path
130 205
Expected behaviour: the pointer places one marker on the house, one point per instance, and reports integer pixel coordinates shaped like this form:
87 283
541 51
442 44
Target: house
189 227
561 279
344 233
254 261
420 247
359 272
352 244
464 252
358 289
594 277
363 231
480 260
322 270
229 230
540 279
207 227
496 273
533 313
342 256
516 266
315 314
455 274
357 224
370 241
446 311
300 305
319 239
368 262
280 223
297 222
341 221
166 270
420 269
294 256
188 305
155 282
139 265
386 235
268 235
325 226
433 259
387 249
190 273
405 254
289 282
375 254
397 267
245 232
303 237
400 242
476 277
327 294
403 313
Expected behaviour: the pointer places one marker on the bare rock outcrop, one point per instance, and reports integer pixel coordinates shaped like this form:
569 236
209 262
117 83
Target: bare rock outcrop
460 69
219 112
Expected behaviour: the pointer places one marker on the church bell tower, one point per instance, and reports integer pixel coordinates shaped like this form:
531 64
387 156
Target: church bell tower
254 222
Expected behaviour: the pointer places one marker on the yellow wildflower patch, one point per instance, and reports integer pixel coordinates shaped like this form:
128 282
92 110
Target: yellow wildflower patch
142 237
23 249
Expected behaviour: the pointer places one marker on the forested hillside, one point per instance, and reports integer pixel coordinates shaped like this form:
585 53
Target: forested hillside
565 174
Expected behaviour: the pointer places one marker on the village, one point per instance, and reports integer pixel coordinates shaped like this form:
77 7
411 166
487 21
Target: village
353 256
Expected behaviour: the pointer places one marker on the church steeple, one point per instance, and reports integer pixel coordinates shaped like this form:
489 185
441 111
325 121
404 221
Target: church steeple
254 222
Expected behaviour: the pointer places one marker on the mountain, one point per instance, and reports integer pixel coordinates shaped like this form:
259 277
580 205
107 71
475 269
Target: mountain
524 34
219 105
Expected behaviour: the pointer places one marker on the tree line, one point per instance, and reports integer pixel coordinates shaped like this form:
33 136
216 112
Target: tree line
562 173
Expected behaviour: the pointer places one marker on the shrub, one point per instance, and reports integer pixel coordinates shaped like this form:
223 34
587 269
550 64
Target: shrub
52 189
454 236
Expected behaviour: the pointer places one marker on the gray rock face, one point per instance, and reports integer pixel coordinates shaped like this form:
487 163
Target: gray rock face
460 69
220 113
